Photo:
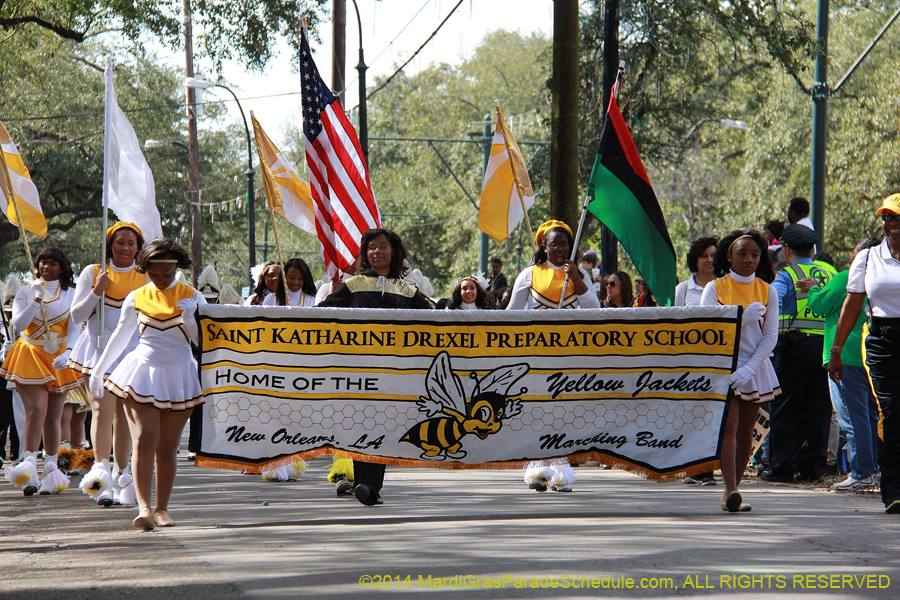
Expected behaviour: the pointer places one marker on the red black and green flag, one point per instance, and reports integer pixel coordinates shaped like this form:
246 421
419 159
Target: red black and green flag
624 201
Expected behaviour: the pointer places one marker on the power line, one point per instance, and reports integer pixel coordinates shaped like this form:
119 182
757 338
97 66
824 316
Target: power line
374 60
433 33
144 108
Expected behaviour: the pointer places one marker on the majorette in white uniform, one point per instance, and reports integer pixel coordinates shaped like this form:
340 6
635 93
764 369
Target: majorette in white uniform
45 325
86 307
757 340
161 370
45 328
541 287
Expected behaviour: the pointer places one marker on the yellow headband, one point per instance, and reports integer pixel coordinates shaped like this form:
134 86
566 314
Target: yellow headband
547 226
122 225
163 260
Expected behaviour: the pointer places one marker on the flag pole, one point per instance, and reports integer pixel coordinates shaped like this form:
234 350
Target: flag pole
270 202
512 165
101 317
15 202
21 232
587 199
32 267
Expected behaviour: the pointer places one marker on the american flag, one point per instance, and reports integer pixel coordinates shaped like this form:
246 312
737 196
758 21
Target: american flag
342 195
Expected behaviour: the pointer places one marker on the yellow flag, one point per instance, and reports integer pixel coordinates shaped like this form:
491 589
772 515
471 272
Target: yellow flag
16 181
501 206
286 193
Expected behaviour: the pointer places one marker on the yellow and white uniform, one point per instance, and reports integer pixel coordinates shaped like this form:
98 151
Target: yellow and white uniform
540 286
46 326
757 339
161 369
86 307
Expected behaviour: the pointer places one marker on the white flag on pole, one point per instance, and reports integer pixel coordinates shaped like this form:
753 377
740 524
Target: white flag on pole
128 187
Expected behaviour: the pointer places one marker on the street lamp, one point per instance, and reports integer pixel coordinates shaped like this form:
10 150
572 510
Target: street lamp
361 67
202 84
148 144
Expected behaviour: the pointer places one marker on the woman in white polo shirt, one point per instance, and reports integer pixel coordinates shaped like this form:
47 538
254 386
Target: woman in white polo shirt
875 273
700 264
688 293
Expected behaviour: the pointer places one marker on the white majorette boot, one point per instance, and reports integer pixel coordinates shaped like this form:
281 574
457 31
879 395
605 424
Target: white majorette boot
53 481
24 474
97 480
107 496
563 475
537 475
125 494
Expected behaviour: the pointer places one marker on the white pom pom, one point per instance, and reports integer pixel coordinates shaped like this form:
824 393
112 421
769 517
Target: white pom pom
127 493
562 473
53 480
537 472
97 480
23 474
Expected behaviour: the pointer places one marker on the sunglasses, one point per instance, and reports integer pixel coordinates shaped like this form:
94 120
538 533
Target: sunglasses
888 217
558 245
611 284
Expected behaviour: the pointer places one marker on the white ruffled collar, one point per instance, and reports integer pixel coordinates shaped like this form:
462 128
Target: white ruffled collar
467 306
741 278
116 269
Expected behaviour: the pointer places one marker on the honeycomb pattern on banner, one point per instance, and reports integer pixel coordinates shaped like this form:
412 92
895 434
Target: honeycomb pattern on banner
538 418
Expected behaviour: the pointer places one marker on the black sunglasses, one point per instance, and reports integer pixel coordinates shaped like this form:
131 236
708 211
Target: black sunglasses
888 217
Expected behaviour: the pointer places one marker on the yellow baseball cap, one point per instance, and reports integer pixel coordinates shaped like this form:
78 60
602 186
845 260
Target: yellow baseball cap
547 226
891 203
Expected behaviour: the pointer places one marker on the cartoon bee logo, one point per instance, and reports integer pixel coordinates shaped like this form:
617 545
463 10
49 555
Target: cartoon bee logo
451 416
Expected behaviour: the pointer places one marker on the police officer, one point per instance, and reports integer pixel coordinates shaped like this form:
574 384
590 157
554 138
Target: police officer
801 415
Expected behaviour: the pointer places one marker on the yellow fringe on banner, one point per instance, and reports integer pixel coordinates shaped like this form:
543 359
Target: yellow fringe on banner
612 461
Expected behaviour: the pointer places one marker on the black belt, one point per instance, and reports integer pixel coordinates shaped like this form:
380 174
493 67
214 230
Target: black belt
796 333
894 322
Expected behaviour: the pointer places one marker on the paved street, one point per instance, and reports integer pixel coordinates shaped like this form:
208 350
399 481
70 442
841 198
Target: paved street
241 537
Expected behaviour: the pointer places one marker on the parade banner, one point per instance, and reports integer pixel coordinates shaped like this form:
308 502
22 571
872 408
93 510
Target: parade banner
640 389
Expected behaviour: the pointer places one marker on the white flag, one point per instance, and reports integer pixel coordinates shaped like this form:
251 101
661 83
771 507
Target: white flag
128 187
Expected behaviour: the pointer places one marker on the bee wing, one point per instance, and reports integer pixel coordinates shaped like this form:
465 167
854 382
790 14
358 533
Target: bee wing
443 385
501 379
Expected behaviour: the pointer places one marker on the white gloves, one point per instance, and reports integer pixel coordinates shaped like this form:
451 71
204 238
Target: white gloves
754 313
188 305
95 386
38 292
62 361
740 378
7 346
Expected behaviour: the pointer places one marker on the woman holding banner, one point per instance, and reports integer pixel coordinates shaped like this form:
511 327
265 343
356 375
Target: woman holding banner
541 287
382 264
742 265
109 428
157 380
37 365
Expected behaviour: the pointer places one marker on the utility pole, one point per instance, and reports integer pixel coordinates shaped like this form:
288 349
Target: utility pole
820 95
193 148
486 150
564 194
339 48
609 245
